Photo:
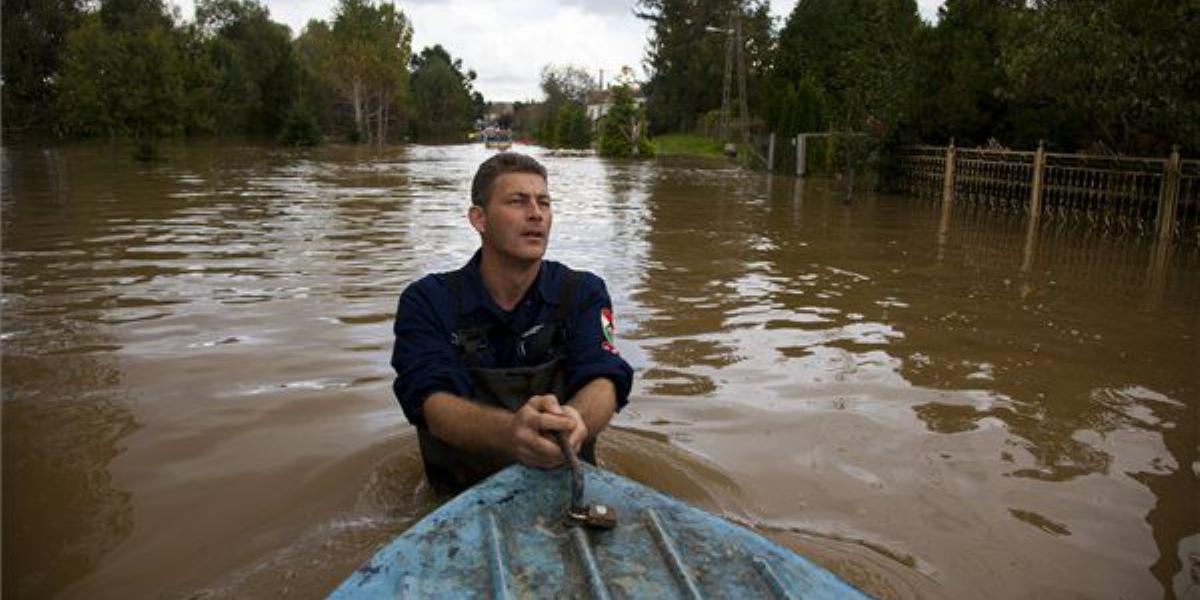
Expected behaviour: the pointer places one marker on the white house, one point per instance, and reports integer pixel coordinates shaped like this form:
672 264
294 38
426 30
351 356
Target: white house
598 103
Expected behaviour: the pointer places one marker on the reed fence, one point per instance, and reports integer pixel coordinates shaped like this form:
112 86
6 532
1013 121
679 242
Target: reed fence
1151 196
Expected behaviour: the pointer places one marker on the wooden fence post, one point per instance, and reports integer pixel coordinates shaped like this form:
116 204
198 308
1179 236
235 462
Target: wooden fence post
771 152
1035 208
1035 187
1169 198
801 149
948 179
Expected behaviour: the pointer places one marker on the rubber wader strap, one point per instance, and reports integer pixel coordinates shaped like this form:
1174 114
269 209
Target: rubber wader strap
454 281
566 299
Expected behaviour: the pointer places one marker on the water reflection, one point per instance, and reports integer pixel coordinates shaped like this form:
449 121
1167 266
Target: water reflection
65 413
988 316
699 274
62 512
1066 393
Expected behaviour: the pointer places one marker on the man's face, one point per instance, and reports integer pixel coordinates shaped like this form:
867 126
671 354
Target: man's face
516 221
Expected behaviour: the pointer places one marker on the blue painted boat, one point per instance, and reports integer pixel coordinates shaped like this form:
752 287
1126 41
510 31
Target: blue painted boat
509 537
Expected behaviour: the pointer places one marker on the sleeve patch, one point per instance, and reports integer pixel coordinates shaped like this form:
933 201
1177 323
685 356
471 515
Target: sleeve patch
609 328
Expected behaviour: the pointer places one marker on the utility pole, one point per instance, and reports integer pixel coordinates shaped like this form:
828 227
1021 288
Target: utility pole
734 50
744 121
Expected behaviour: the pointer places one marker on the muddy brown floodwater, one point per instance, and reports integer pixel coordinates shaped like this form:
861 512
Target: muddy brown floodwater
196 395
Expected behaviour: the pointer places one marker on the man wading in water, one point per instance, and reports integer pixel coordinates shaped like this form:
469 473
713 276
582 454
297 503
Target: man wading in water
496 358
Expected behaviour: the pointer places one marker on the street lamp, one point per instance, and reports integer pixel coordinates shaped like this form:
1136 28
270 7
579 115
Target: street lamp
733 43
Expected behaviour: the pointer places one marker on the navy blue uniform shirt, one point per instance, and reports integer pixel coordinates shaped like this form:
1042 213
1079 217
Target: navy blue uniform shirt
426 361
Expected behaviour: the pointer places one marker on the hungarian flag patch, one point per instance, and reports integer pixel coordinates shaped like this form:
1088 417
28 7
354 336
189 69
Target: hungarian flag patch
608 328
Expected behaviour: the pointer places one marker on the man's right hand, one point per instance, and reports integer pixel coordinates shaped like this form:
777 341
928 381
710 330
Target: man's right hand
532 431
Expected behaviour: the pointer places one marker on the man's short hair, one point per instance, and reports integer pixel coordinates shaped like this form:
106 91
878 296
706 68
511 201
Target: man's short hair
500 164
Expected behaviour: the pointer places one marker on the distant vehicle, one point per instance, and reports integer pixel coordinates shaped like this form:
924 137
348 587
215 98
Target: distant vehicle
496 138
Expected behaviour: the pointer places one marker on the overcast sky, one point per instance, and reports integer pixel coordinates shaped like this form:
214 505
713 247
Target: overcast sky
507 42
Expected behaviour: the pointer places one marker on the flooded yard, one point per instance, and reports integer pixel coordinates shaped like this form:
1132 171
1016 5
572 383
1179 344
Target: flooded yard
197 403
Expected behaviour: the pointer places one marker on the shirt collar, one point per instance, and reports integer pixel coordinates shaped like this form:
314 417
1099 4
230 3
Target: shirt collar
475 292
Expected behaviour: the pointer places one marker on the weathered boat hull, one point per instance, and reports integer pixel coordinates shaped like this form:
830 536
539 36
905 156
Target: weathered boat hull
507 537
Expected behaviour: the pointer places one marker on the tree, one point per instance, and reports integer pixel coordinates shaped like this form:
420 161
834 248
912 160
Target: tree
256 68
860 52
686 56
393 48
794 107
566 83
1124 74
126 68
318 87
123 82
31 42
622 132
566 89
573 129
527 119
443 101
135 15
959 75
370 47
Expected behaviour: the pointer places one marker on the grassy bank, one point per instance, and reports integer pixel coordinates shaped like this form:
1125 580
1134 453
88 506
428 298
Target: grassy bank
686 144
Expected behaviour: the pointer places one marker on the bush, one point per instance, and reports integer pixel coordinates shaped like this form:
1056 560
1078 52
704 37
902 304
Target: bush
573 129
623 127
300 128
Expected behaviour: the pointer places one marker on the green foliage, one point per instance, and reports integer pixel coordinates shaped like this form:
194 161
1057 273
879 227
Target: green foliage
123 82
573 129
126 71
1117 73
845 153
135 15
84 105
314 53
443 102
709 124
622 131
527 119
567 83
646 148
200 82
959 76
368 50
31 41
791 108
125 68
300 128
686 57
858 52
566 88
547 131
256 69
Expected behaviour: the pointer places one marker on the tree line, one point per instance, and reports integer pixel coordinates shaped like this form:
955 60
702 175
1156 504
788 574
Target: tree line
1113 76
1117 76
133 68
